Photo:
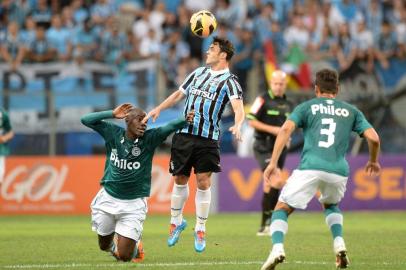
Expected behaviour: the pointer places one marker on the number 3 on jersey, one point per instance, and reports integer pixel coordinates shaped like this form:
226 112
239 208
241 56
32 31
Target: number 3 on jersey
329 131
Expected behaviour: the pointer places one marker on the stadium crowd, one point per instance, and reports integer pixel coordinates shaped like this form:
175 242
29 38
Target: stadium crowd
115 32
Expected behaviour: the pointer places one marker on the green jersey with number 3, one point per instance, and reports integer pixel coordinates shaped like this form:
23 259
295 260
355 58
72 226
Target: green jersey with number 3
327 125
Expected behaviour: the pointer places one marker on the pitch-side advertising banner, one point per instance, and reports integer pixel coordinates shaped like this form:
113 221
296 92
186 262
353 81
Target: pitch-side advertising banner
67 185
240 184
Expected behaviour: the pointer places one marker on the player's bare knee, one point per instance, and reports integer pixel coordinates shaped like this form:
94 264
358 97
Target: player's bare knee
181 179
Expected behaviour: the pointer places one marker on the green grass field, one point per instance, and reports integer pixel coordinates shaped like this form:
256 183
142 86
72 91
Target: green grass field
374 241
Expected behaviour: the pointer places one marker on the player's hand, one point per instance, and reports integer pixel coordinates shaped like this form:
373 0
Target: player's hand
373 168
270 170
154 114
190 116
122 110
236 131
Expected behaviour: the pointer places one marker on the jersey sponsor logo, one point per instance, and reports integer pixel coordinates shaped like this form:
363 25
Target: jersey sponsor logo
329 109
122 163
257 105
136 151
208 95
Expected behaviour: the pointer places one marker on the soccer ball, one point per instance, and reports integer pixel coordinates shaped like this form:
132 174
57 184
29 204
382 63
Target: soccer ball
203 23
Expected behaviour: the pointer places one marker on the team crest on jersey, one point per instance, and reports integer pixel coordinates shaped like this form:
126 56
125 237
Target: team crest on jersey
136 151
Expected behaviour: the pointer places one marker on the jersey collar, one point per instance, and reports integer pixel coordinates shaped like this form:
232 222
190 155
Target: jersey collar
218 72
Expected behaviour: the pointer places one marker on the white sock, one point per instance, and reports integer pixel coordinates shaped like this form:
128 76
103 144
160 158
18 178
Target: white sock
202 201
180 194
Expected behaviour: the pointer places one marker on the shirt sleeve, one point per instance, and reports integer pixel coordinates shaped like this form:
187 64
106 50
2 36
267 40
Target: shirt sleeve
298 115
160 134
234 90
360 123
256 109
6 122
96 122
184 87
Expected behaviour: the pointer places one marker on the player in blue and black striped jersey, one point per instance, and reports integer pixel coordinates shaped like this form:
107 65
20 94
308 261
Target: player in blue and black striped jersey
207 90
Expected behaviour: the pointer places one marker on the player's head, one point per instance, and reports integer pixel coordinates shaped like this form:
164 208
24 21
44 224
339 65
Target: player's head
135 126
278 83
326 82
220 50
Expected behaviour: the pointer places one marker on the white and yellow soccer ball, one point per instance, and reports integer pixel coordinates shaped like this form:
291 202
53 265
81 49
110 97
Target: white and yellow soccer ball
203 23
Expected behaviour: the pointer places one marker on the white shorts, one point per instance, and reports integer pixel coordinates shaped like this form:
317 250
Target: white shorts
302 185
125 217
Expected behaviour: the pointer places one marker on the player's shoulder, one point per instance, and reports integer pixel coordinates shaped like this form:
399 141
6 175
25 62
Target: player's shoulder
200 70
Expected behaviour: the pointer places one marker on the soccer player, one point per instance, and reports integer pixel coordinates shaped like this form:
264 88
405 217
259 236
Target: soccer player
207 90
327 125
120 206
267 114
6 134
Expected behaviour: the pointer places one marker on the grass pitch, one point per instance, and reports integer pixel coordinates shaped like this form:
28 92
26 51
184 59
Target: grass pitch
375 240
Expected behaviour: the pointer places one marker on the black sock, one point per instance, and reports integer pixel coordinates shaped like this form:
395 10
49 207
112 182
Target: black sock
273 199
266 209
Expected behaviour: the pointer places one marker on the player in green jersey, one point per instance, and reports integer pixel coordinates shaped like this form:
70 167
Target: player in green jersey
6 134
120 206
327 124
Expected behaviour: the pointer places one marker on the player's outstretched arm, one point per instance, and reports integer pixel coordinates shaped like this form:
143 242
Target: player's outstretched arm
239 115
281 140
176 124
167 103
372 167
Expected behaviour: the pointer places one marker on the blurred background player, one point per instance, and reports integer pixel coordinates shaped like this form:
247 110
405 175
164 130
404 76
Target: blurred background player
327 125
120 207
207 91
6 134
267 115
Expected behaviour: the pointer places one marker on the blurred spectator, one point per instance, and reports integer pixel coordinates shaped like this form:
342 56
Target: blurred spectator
76 14
12 48
194 5
401 35
296 33
85 42
263 22
364 43
101 11
16 10
246 52
40 50
60 38
386 46
150 45
141 25
227 12
157 19
42 13
374 18
346 49
322 44
113 44
345 11
173 53
28 33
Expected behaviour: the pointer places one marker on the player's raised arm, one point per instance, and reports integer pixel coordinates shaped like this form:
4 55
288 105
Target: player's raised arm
167 103
94 120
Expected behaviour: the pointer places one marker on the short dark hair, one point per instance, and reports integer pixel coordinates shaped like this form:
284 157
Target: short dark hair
225 46
327 81
133 113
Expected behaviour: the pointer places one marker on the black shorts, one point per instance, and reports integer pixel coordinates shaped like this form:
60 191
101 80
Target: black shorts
193 151
263 155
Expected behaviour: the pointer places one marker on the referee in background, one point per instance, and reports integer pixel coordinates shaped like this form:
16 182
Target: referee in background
268 112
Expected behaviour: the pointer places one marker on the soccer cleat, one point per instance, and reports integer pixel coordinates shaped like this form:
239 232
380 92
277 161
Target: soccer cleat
174 232
263 231
140 254
276 256
200 241
342 260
